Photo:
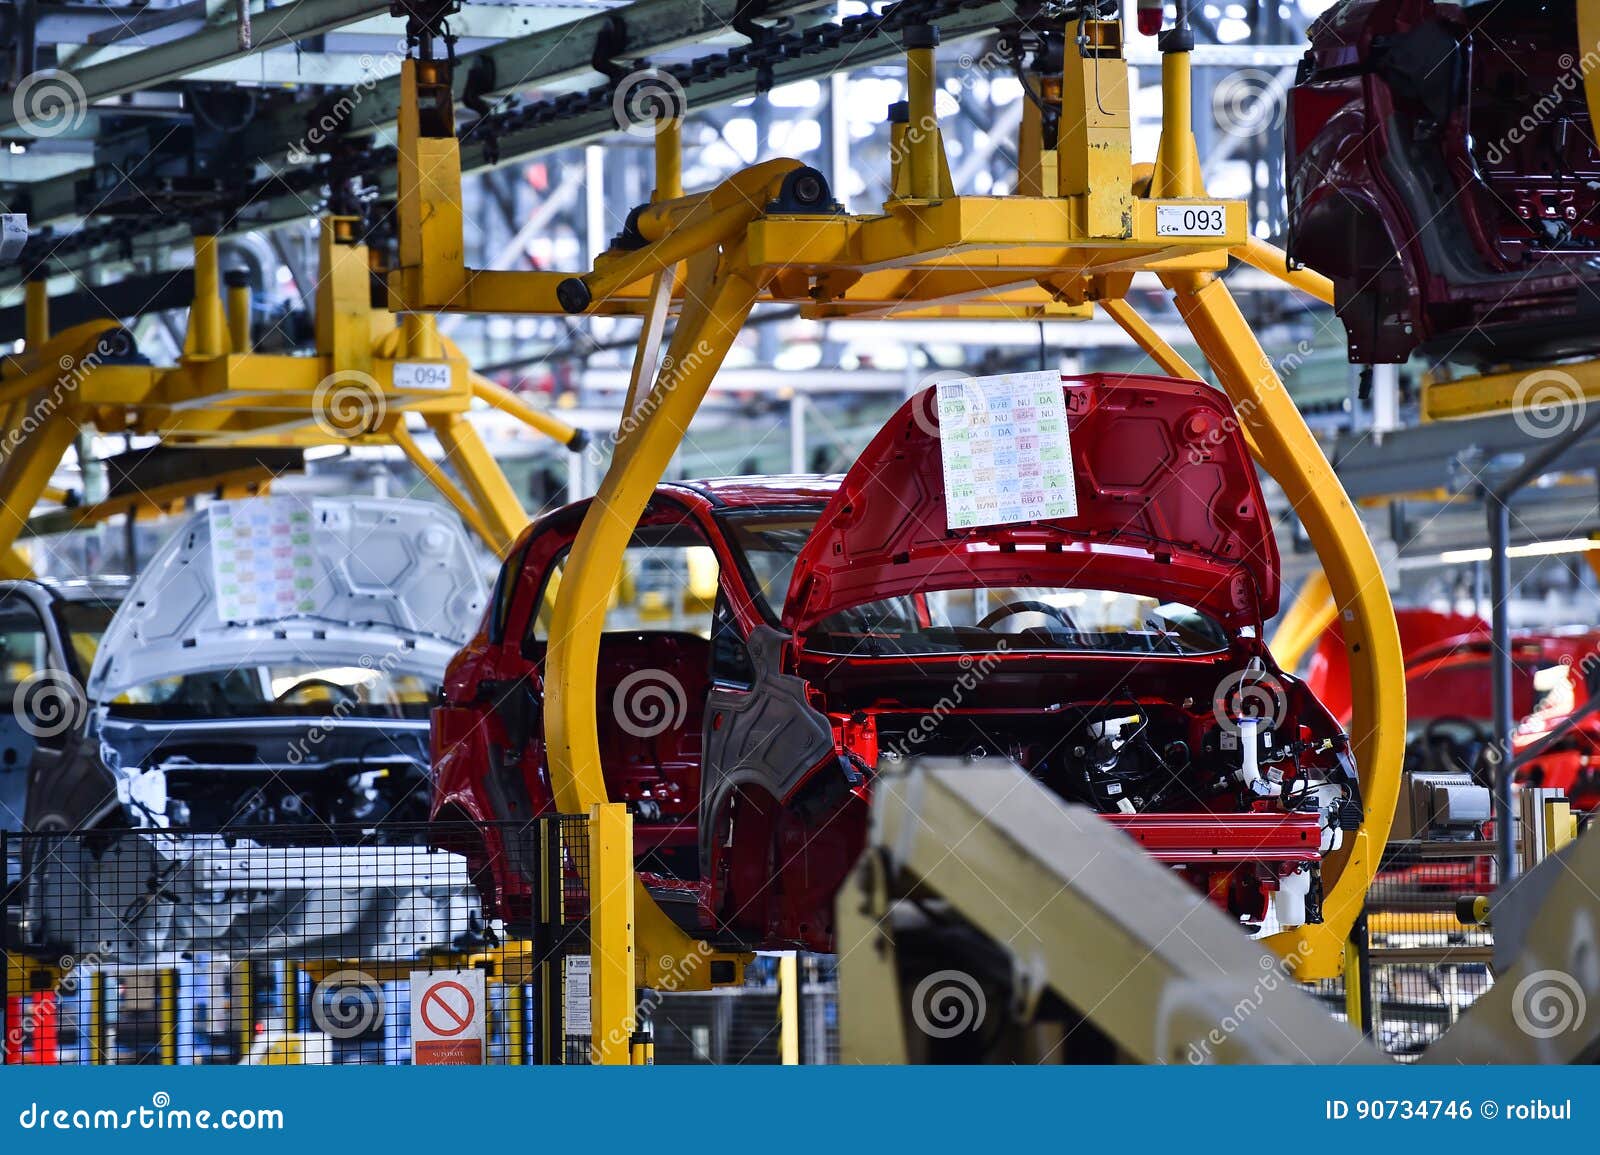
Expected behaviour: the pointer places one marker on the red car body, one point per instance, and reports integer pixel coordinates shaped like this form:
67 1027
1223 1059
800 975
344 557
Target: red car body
1442 170
839 644
1449 702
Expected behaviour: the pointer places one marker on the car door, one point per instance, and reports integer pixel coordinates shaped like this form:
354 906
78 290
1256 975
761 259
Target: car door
49 780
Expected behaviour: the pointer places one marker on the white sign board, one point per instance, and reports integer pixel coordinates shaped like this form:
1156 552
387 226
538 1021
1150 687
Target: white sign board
262 561
1006 454
448 1017
1191 221
433 375
575 999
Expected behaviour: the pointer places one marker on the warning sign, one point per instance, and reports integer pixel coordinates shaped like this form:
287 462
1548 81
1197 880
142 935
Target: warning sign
576 998
448 1018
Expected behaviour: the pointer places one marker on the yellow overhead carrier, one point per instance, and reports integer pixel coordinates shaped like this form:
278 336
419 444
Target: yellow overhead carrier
773 232
371 370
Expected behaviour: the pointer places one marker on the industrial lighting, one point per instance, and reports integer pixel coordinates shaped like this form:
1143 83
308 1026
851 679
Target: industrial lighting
1534 549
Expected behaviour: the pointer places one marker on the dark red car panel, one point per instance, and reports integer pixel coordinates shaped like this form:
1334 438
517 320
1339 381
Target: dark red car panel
1443 171
751 806
1168 505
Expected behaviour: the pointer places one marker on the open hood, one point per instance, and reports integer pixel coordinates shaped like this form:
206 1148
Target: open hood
272 581
1167 500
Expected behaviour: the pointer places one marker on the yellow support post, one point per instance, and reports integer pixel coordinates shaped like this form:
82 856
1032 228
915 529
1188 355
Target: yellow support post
923 147
1177 172
510 404
516 1011
448 489
238 283
344 298
1094 149
207 336
35 313
789 1009
98 1028
716 305
1302 625
1378 722
669 159
241 1005
1143 335
503 515
1274 262
167 1017
613 1005
428 185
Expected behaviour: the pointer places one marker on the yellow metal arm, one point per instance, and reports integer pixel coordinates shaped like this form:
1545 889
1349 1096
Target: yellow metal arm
720 298
1305 621
1275 262
509 403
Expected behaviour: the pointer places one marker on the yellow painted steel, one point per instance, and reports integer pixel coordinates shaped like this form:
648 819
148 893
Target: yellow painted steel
239 318
613 1009
1355 986
789 1009
1372 639
1574 384
1144 336
1094 147
1589 64
1274 261
963 253
222 393
35 313
1305 621
167 1017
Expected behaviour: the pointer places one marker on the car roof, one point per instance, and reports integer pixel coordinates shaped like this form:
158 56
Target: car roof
106 590
743 492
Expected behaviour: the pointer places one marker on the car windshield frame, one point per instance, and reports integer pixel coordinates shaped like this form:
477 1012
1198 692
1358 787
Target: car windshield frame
1182 632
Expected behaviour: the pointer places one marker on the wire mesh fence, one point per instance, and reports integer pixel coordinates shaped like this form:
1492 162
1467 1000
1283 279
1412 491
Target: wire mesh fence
1425 967
279 944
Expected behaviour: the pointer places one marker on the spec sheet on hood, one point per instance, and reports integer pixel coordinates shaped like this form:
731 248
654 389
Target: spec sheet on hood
1006 452
263 564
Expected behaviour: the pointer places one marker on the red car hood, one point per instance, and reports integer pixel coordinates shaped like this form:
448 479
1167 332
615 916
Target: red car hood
1168 506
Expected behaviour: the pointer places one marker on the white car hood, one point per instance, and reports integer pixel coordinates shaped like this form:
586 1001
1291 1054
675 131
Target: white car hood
347 581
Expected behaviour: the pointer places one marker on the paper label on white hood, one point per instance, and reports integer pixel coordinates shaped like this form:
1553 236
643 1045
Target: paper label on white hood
1005 449
263 564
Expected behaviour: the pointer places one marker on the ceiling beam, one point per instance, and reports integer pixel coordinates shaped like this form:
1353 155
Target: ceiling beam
149 67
